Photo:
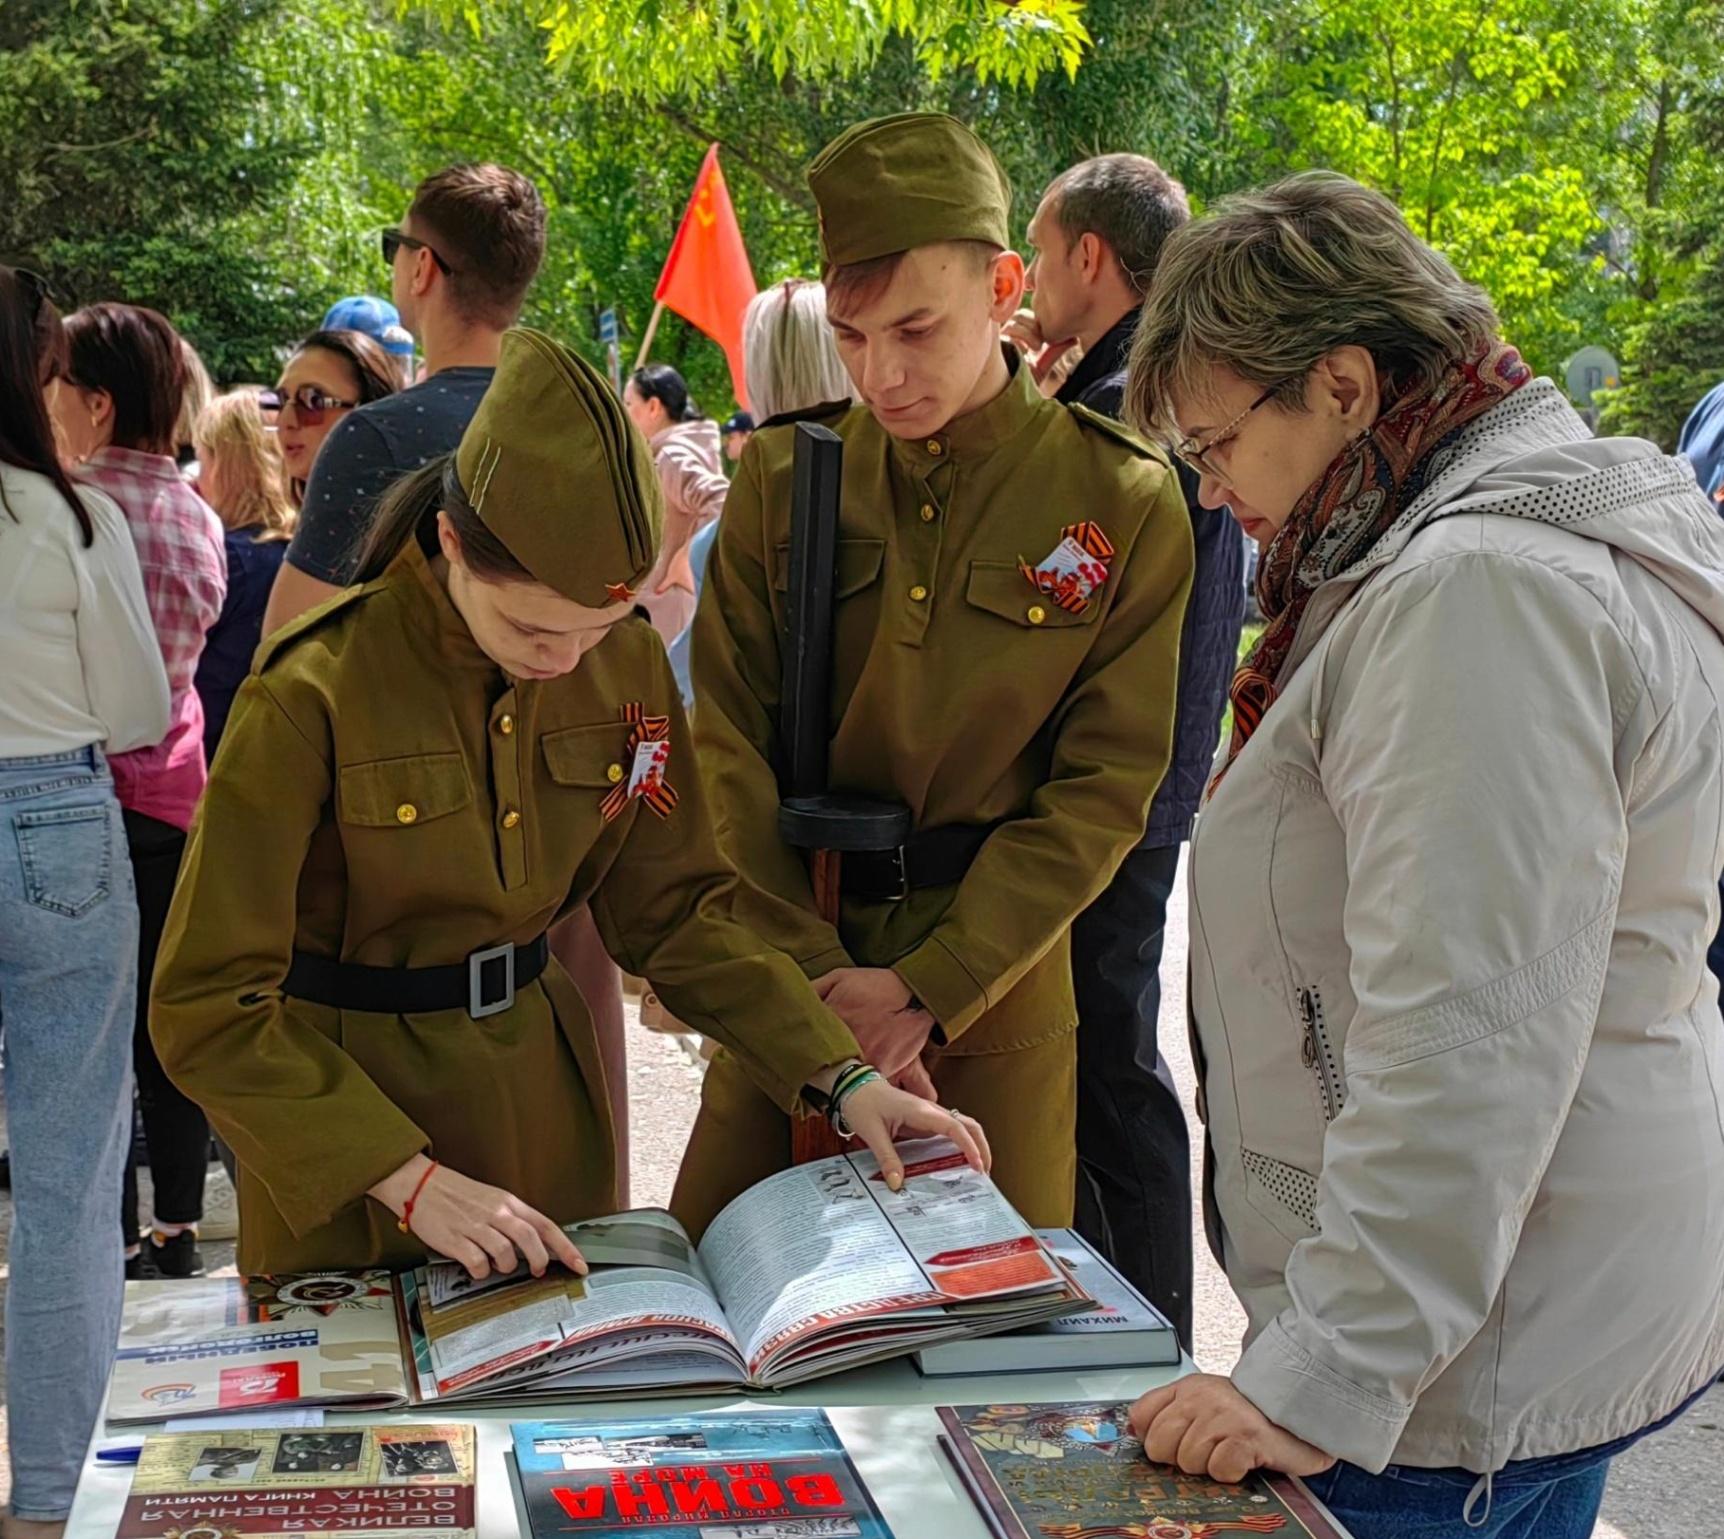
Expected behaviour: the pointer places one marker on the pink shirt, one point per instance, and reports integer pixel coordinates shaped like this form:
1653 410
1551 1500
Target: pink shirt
179 543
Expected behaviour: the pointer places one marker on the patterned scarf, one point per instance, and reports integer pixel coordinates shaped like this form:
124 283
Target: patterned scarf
1351 506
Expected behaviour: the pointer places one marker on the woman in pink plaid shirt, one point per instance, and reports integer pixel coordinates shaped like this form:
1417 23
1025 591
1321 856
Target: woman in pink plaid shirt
115 412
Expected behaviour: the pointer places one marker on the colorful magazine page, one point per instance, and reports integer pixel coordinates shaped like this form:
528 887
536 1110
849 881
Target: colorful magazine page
755 1475
387 1482
202 1346
1070 1471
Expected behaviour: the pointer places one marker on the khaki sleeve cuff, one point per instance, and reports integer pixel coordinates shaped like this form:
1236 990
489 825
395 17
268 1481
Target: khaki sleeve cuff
1312 1401
818 966
945 986
309 1210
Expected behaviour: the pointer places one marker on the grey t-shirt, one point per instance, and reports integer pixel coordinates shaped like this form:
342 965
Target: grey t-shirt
367 451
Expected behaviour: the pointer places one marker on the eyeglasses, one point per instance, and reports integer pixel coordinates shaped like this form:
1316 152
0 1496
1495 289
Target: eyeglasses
1188 451
393 240
310 402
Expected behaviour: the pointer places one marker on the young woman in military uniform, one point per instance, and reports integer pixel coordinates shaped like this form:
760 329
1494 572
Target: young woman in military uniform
417 779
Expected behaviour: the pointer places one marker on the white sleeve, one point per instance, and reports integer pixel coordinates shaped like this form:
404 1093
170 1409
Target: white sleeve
1469 754
123 673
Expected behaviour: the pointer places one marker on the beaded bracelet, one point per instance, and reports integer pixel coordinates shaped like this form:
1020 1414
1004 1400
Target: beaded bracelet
405 1225
835 1113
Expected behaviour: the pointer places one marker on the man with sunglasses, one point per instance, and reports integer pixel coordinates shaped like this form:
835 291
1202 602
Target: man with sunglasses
460 264
1098 234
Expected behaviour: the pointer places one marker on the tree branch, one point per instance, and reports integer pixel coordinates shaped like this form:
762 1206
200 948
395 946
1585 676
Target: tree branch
792 192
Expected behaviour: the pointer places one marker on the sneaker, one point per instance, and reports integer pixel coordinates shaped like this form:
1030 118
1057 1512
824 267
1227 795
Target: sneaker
221 1208
138 1268
177 1256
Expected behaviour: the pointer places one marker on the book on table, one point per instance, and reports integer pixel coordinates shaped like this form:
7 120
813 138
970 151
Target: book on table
1121 1329
386 1482
813 1270
1072 1471
723 1475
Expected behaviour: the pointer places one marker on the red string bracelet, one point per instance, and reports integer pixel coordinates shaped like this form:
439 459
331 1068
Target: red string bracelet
406 1223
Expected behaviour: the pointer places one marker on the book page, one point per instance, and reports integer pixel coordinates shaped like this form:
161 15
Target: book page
803 1249
645 1276
963 1234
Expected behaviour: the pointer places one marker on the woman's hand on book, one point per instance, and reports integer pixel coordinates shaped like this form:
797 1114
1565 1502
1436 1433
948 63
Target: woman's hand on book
483 1227
878 1113
1205 1426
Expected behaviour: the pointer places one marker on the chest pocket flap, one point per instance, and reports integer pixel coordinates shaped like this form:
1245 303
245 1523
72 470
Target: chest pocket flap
395 793
586 756
1001 589
857 565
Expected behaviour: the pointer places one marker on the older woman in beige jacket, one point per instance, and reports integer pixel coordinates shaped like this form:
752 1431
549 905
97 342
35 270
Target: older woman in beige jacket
1450 894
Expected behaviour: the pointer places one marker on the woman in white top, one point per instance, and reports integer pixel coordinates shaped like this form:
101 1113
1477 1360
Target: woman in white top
81 675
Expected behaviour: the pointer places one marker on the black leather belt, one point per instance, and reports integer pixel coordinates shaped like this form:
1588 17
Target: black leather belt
483 985
936 857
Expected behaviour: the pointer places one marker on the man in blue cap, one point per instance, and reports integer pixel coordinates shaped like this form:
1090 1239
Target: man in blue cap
379 320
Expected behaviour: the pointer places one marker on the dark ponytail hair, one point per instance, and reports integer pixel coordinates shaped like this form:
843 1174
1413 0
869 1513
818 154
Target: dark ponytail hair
660 382
409 511
32 353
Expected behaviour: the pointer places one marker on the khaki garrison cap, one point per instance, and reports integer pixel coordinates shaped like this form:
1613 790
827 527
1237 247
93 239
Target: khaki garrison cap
892 184
553 467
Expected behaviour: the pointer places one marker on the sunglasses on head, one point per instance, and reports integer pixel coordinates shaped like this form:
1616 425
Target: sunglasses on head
35 289
308 401
393 240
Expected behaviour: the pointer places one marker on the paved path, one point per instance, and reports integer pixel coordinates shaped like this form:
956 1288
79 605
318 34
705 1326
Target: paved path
1671 1487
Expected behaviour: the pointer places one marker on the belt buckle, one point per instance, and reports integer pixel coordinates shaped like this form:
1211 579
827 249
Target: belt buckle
477 1007
900 875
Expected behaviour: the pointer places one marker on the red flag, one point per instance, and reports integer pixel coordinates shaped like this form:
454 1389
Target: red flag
706 277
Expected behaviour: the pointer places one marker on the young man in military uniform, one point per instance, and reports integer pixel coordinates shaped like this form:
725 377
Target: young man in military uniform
1011 578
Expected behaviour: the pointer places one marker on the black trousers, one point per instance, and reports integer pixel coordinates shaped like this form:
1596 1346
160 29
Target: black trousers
1134 1171
175 1129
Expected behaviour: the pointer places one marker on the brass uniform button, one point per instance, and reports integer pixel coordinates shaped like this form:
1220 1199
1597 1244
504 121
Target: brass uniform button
1037 614
935 446
505 725
614 774
928 513
918 593
511 818
407 813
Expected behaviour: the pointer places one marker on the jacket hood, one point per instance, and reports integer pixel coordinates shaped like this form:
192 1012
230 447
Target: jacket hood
1533 457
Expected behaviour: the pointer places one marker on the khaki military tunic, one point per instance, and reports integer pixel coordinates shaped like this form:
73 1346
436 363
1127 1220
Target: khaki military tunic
963 691
385 795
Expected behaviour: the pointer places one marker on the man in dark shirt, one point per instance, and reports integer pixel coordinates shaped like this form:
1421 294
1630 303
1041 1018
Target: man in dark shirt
1097 235
460 265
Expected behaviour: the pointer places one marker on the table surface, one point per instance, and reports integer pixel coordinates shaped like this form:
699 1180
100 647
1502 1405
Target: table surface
884 1413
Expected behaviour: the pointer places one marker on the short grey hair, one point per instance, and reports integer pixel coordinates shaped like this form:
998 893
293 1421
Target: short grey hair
1268 283
1129 201
788 355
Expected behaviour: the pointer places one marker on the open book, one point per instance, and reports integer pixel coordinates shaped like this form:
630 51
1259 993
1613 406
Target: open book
809 1272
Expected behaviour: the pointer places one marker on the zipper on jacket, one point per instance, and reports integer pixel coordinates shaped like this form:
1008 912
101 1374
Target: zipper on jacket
1317 1056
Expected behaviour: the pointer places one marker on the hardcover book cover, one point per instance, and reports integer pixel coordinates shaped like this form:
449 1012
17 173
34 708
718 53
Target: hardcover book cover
755 1475
1072 1471
386 1482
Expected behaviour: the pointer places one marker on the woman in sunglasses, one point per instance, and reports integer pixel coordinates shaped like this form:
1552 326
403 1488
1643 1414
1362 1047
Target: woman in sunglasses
329 374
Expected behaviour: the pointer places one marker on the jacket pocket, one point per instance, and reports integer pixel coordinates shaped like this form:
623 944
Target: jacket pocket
586 756
1001 589
1276 1188
399 793
67 855
1318 1055
855 567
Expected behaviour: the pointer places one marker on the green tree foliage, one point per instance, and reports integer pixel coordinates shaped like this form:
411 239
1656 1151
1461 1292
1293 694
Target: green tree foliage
232 161
140 137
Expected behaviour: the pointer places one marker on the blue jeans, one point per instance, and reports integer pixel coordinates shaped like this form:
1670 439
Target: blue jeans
68 982
1551 1498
